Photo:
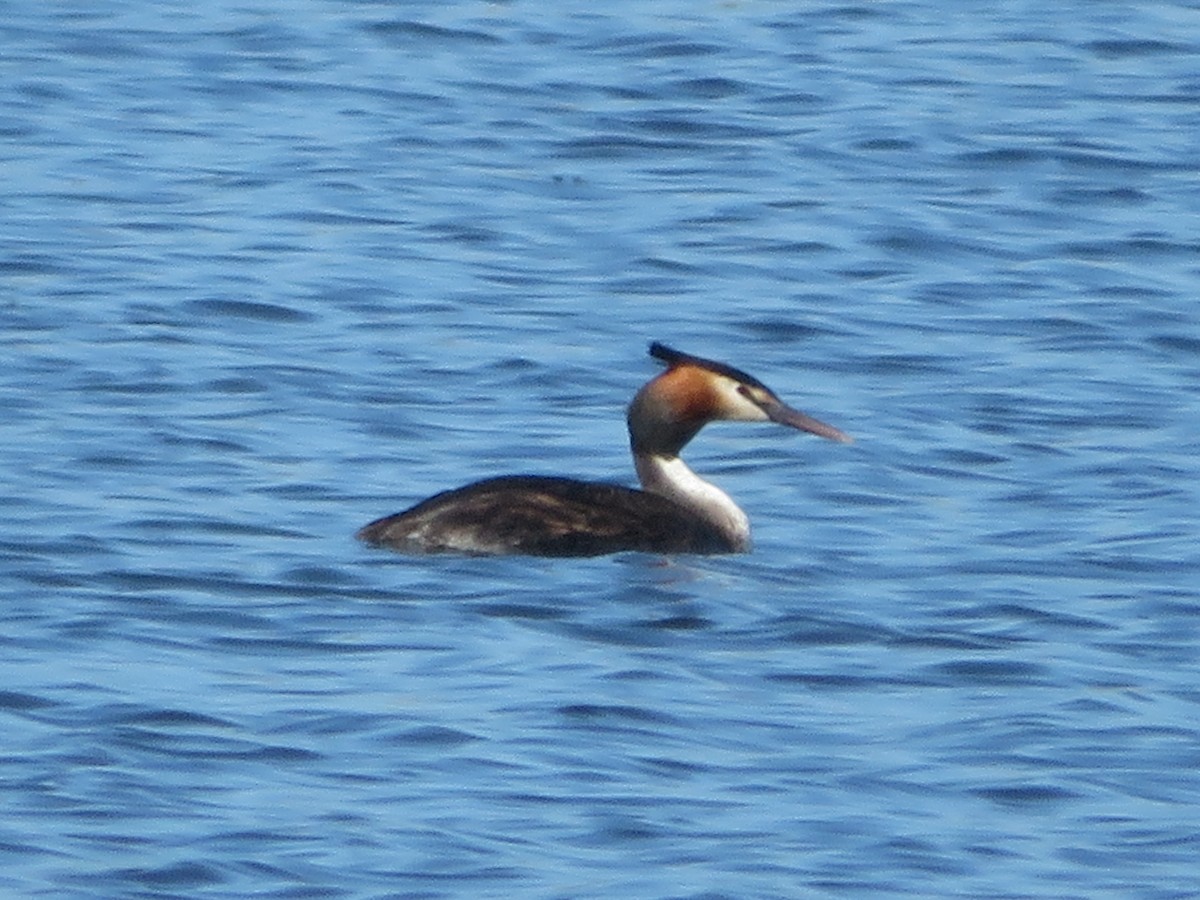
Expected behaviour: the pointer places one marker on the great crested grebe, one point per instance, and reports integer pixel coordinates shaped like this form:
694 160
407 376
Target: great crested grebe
677 512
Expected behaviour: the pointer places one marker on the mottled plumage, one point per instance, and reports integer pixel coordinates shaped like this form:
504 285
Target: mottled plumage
539 516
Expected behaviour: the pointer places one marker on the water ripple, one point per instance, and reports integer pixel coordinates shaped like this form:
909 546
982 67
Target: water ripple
268 277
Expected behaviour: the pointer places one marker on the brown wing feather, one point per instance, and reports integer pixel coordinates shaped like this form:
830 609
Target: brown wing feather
533 515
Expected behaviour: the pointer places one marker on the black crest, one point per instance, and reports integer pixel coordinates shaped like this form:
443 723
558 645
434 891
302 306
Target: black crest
675 358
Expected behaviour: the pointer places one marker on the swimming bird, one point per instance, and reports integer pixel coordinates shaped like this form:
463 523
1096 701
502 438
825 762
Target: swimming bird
675 512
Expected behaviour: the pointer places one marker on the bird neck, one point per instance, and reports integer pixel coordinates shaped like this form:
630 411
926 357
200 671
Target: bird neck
669 476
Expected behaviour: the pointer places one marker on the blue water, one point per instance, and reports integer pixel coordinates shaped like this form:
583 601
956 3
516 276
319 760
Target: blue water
271 270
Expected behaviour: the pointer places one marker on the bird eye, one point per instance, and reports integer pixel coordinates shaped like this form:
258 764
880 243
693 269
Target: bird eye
750 394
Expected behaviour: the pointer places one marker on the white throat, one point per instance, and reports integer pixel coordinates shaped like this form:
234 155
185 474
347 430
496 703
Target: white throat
669 476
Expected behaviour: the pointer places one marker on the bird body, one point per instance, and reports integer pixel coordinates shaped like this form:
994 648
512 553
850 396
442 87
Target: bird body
675 512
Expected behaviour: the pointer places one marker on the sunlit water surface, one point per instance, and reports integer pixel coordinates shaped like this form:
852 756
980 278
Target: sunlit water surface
273 270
